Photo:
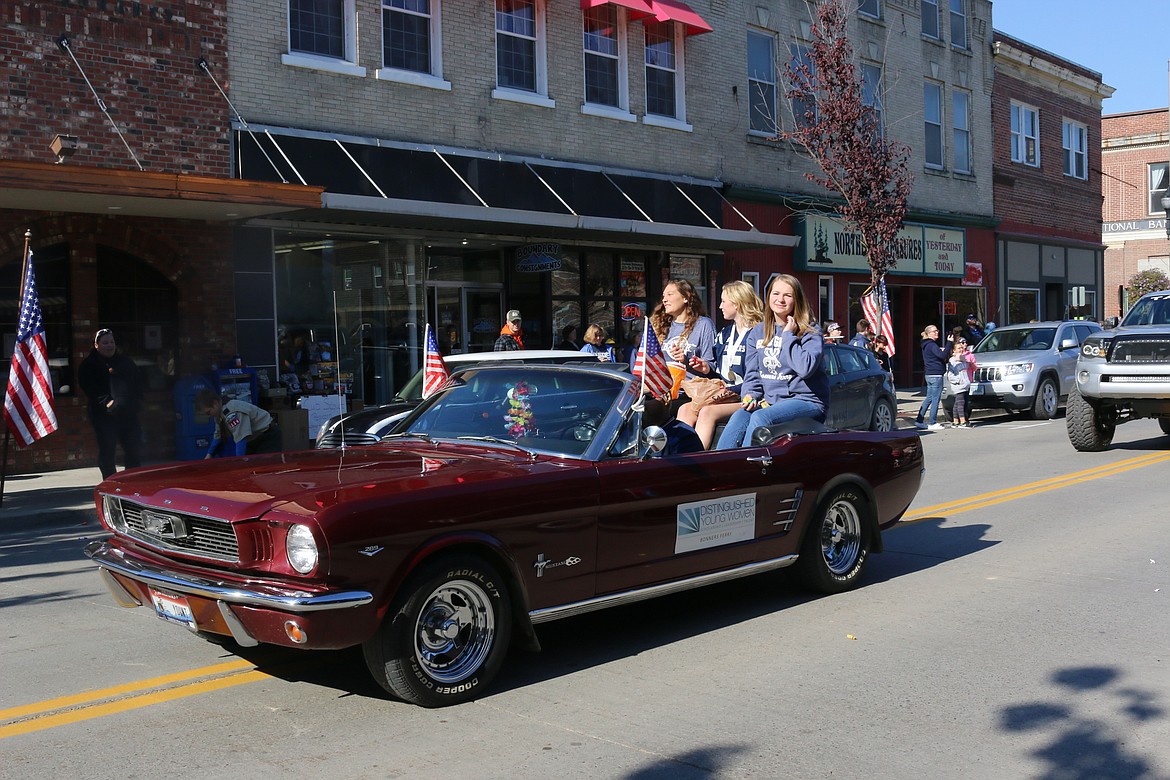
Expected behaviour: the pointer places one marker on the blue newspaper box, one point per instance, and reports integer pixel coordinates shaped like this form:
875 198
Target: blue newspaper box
192 432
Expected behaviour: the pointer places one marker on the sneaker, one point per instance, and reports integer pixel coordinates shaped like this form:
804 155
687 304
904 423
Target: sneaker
935 427
920 425
969 425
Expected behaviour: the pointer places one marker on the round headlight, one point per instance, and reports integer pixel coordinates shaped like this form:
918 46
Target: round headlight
301 548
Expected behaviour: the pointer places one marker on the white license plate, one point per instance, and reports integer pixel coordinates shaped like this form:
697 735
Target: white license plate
976 389
173 609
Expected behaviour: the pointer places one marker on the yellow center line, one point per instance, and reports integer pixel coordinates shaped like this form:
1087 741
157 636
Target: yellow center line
133 703
121 690
1032 488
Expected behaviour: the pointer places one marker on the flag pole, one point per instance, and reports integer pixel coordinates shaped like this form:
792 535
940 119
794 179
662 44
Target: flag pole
7 430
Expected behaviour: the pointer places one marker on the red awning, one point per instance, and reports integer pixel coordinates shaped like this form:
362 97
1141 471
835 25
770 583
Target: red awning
639 9
678 11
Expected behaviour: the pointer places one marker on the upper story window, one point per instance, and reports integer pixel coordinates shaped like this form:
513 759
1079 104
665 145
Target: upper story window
871 93
932 113
1158 187
1075 144
804 110
411 39
871 8
664 70
930 19
605 64
1025 134
761 49
520 50
322 34
961 121
958 24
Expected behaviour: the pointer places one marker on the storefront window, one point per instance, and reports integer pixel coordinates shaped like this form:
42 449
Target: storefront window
1023 305
140 305
349 314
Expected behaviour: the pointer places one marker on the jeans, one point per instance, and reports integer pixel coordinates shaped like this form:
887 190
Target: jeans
933 398
743 423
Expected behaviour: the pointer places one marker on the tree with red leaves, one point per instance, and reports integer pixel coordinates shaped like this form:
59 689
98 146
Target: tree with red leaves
843 135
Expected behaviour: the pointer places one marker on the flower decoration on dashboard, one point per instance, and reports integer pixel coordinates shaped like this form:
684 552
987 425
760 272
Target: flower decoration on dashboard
519 414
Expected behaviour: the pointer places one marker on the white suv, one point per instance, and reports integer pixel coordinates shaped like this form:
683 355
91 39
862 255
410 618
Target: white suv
1028 367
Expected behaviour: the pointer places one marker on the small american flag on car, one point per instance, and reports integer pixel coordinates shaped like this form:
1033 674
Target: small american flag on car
435 371
650 365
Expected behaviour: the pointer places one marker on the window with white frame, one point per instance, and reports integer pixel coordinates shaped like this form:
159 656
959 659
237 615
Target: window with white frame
761 51
410 36
961 137
1075 144
322 34
1025 134
871 94
604 45
664 70
804 110
520 46
930 19
958 24
1158 187
932 113
870 8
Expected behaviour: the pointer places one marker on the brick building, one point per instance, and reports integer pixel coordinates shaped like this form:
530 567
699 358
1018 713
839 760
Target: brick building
1135 152
131 230
1046 118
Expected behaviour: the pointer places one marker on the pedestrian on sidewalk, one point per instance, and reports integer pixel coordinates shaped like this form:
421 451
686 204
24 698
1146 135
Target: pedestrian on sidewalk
934 363
113 386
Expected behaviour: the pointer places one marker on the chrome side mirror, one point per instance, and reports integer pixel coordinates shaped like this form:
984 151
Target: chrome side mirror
654 439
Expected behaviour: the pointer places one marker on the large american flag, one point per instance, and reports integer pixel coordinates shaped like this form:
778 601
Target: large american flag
876 301
435 371
28 405
650 365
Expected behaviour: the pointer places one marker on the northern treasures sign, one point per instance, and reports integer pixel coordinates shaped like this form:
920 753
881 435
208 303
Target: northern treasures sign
923 250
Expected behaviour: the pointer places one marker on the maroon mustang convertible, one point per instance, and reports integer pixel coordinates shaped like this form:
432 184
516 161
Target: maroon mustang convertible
510 498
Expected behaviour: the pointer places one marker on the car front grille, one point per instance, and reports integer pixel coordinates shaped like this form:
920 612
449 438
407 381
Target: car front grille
335 439
203 536
1155 349
987 375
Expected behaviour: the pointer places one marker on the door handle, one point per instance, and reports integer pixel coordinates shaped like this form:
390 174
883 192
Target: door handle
763 460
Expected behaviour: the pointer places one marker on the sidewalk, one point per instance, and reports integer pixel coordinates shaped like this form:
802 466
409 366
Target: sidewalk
53 496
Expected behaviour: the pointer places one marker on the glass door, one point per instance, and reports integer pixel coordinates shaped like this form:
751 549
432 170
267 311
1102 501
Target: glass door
465 319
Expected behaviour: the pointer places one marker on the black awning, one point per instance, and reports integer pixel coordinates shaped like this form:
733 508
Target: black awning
463 190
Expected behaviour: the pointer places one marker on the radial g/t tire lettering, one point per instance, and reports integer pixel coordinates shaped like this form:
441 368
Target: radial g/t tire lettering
445 636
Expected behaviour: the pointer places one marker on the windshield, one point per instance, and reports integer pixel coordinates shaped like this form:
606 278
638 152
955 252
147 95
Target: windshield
1150 310
551 410
1005 339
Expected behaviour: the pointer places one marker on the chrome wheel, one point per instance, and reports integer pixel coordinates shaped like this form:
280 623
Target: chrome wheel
841 537
454 631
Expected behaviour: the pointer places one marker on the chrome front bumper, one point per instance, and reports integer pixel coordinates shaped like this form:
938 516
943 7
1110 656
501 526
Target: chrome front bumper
261 595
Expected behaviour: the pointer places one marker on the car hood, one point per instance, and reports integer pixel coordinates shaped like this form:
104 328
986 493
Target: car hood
1004 357
364 419
311 482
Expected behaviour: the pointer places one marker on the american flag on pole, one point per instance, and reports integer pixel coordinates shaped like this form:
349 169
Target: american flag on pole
874 302
435 371
650 365
28 405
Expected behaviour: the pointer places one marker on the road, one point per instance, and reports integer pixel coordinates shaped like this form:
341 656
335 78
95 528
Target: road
1015 626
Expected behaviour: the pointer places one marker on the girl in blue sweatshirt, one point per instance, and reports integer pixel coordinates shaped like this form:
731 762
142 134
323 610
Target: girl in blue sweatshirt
783 377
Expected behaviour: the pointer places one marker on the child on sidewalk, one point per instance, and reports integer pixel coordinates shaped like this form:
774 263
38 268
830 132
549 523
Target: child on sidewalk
960 367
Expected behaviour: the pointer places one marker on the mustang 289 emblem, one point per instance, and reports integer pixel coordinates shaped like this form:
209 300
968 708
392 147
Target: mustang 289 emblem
541 564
